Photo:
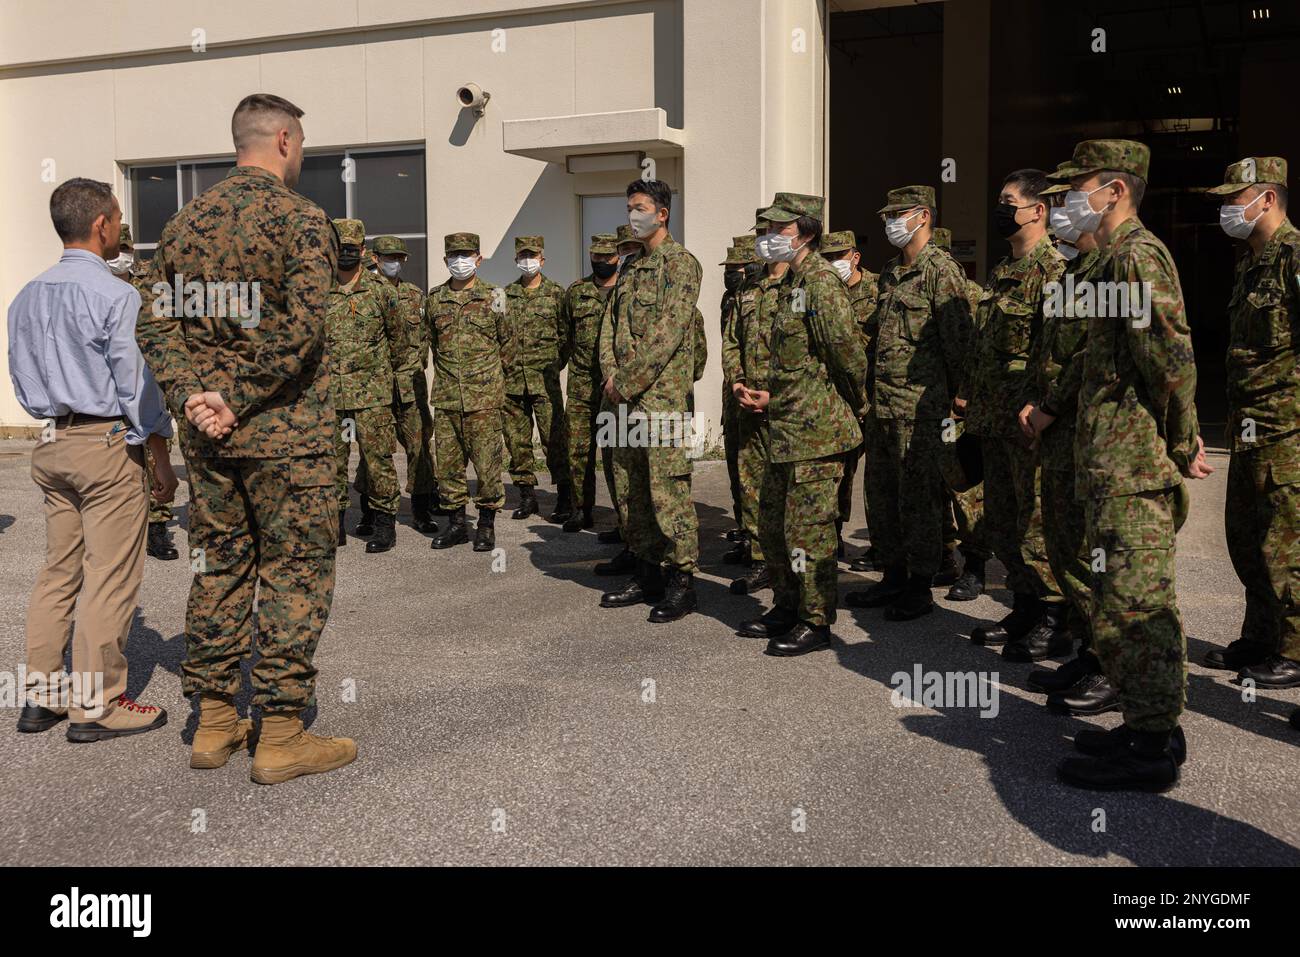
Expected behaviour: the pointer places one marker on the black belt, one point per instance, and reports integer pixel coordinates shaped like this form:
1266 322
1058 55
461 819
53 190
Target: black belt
69 419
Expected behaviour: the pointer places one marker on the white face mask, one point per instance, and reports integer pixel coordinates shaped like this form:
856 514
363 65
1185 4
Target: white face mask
643 224
122 264
844 267
775 248
529 267
896 230
1233 219
1066 250
1079 211
462 267
390 267
1061 225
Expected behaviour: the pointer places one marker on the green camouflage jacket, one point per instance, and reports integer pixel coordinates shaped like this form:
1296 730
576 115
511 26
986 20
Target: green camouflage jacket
470 337
819 368
271 369
747 348
1263 334
584 307
1137 416
863 296
923 337
414 347
540 329
365 328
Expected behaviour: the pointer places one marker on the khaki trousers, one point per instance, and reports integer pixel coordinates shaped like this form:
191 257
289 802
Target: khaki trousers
96 502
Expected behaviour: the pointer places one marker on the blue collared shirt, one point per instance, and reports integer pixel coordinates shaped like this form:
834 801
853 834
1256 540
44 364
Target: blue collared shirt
72 348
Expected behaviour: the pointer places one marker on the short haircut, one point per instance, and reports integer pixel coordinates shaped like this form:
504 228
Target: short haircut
1136 185
258 115
1029 183
808 226
656 189
75 206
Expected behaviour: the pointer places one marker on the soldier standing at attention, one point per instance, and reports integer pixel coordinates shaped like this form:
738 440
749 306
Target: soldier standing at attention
815 401
650 344
158 542
469 334
735 277
536 308
256 393
584 305
923 337
364 325
1137 431
1263 504
1009 322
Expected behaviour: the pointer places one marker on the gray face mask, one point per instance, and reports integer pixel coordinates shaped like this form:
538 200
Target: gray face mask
643 224
390 267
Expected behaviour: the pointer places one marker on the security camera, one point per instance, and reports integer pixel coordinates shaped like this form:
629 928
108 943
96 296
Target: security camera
472 97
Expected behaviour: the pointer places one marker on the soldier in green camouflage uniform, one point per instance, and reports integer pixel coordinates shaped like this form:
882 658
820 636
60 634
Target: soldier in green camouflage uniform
584 306
648 355
363 320
815 399
740 258
411 393
473 351
1137 437
1262 515
261 497
540 327
922 342
1009 322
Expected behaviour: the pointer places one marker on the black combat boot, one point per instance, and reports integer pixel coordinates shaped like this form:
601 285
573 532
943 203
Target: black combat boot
1046 680
802 639
610 536
734 534
527 502
485 535
915 601
756 578
621 564
1145 762
771 624
1239 654
366 523
646 584
422 513
741 553
867 561
884 592
1273 672
1295 719
1024 613
385 536
435 503
678 601
1094 694
343 531
563 505
948 570
970 583
1049 638
159 545
1097 743
579 521
456 533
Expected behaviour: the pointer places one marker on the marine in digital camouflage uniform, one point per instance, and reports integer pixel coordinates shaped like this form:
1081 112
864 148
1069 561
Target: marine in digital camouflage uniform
922 344
533 394
1137 437
815 400
1262 511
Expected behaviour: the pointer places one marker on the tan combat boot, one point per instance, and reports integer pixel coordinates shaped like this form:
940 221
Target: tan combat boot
285 751
220 734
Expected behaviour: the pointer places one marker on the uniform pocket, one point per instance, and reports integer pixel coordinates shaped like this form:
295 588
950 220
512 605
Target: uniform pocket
1269 319
1137 552
308 520
815 496
1010 330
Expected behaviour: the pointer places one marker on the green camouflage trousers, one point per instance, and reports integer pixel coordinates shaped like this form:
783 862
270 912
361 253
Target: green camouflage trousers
661 526
260 529
580 415
415 435
1137 632
1013 520
469 437
755 443
158 511
548 410
376 435
1065 538
906 494
797 508
963 524
1262 521
731 449
615 474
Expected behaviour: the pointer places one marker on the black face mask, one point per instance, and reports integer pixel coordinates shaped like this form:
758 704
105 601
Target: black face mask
603 270
732 278
349 256
1004 220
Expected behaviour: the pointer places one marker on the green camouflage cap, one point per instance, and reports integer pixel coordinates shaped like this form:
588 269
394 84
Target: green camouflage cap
352 232
734 257
368 258
908 197
758 217
943 237
529 244
388 245
624 235
1124 156
602 244
124 236
741 252
787 207
841 242
1057 187
460 243
1247 172
746 244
